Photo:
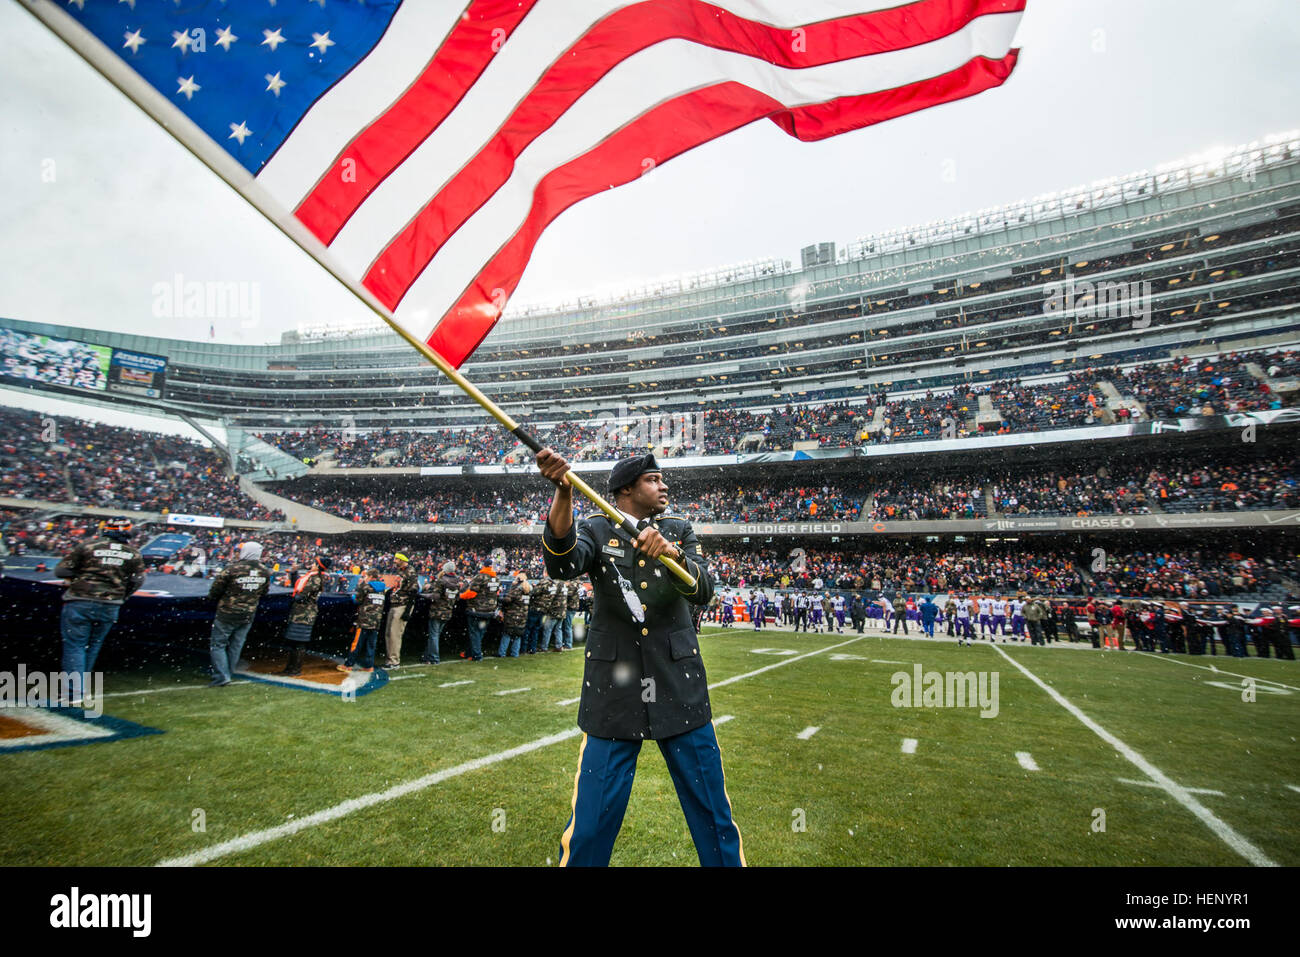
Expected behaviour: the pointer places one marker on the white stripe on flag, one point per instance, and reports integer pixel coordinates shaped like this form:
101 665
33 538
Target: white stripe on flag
635 86
532 48
414 35
536 43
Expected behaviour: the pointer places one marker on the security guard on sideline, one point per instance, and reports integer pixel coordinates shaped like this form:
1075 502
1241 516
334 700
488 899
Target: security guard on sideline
643 676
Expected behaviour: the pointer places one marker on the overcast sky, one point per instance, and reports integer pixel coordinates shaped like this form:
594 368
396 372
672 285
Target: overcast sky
1103 88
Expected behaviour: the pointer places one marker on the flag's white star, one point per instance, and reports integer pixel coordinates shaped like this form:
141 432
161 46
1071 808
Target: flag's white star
181 39
273 38
225 37
239 132
322 40
187 86
274 83
129 3
81 4
133 40
321 2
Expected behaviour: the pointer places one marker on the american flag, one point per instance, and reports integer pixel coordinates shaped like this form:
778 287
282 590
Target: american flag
428 144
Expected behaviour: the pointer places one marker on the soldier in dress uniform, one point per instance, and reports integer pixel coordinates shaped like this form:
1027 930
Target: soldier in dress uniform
302 612
101 574
238 589
643 676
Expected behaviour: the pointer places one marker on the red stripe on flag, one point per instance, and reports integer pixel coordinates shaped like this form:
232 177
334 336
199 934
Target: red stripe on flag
675 127
623 34
389 140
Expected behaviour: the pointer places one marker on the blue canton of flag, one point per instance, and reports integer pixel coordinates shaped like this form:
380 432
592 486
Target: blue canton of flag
245 71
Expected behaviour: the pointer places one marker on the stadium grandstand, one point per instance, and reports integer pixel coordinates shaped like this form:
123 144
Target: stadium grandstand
1115 363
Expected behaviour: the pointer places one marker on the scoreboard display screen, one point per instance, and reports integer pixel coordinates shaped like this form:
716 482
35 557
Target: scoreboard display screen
64 363
137 373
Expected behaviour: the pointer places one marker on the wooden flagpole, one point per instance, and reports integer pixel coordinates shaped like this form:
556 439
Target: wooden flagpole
186 132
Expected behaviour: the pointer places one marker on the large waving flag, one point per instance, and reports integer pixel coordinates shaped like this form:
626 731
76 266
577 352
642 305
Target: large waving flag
420 148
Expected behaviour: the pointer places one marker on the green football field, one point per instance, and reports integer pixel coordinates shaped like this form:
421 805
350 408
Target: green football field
1092 758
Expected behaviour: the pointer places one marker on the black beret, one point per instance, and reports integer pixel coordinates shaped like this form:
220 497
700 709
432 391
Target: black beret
629 470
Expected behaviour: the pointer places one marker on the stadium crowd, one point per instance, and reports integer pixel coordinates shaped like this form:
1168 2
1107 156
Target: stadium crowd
1037 568
60 459
1181 387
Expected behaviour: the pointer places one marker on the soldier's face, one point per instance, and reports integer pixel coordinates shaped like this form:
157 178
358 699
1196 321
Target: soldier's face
650 493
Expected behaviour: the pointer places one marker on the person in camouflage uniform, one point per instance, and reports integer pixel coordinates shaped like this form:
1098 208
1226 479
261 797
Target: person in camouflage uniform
533 624
302 612
514 615
399 609
1034 613
101 574
555 603
238 589
441 592
482 597
371 597
572 595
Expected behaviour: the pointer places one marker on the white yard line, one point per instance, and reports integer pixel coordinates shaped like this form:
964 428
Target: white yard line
1179 793
456 684
407 677
1152 784
510 691
909 746
807 732
128 694
723 719
569 701
1027 761
1217 671
257 838
782 663
1294 788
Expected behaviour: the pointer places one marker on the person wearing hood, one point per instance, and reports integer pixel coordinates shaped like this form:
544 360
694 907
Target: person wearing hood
482 597
237 590
441 592
302 612
101 574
